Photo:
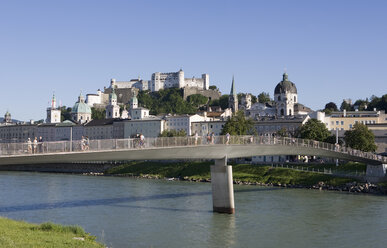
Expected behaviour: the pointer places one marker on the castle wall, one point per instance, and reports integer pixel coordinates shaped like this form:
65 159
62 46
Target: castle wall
212 94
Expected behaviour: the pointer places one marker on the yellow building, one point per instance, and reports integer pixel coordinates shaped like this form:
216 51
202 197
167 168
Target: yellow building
345 120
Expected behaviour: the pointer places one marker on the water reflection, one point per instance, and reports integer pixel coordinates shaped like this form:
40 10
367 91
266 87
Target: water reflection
115 202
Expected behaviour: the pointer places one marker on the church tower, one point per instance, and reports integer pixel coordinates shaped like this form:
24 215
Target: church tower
233 98
133 101
112 110
7 117
285 96
53 113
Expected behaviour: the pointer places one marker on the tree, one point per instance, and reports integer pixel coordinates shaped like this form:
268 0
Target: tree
166 101
361 138
65 113
361 104
330 107
346 106
98 114
223 101
332 140
173 133
380 103
238 125
314 130
196 100
264 97
253 99
212 87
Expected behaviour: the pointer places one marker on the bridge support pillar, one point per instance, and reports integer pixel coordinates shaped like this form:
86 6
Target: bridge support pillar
222 187
376 173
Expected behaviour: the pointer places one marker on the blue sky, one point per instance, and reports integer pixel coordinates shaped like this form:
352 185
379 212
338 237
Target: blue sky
331 49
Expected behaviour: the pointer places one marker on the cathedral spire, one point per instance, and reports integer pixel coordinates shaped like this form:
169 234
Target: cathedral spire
233 92
233 98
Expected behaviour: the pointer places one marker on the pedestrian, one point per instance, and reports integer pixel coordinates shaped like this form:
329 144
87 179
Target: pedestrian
212 138
83 141
35 145
227 138
40 144
142 140
208 138
196 138
87 143
29 146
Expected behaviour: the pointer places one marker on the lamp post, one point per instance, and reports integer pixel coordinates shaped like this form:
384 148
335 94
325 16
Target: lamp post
71 138
337 144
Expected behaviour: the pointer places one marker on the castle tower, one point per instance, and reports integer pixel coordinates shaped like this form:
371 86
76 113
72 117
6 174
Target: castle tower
206 81
233 98
112 110
285 96
181 78
53 113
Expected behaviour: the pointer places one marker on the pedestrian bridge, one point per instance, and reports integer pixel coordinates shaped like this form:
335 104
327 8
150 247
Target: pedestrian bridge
164 148
219 148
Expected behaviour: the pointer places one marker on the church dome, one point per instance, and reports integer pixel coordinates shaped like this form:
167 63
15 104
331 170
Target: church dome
285 86
81 107
7 114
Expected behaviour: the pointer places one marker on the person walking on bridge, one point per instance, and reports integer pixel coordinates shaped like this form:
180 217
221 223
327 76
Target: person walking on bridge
40 144
227 138
142 141
29 146
35 146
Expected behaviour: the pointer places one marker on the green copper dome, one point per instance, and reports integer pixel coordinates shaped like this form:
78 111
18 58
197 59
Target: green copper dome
113 95
81 106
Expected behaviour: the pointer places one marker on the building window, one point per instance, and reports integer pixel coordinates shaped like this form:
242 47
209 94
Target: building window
337 122
342 122
350 126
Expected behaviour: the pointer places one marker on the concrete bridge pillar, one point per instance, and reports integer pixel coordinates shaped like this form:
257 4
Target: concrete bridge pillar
376 173
222 187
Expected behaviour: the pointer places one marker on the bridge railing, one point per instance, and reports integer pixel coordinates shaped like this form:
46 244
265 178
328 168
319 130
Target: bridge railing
7 149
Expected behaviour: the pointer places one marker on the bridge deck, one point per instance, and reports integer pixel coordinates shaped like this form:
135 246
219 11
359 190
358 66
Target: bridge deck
175 148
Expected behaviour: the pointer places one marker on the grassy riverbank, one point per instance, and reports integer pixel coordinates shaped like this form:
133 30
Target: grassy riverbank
22 234
241 172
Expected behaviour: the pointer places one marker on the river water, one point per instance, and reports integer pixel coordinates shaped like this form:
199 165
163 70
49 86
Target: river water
128 212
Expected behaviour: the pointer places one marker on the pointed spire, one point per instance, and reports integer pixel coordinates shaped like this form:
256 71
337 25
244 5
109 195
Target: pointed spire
53 101
233 92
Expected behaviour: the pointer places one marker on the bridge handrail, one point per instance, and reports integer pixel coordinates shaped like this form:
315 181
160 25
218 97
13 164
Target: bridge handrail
7 149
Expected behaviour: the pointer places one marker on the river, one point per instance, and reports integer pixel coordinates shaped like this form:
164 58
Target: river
129 212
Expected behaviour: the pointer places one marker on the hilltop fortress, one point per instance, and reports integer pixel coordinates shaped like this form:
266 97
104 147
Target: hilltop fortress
159 81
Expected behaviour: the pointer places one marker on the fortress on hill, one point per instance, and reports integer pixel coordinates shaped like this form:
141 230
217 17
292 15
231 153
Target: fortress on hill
159 80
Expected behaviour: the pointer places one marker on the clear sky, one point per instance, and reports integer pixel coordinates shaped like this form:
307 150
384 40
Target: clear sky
331 49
